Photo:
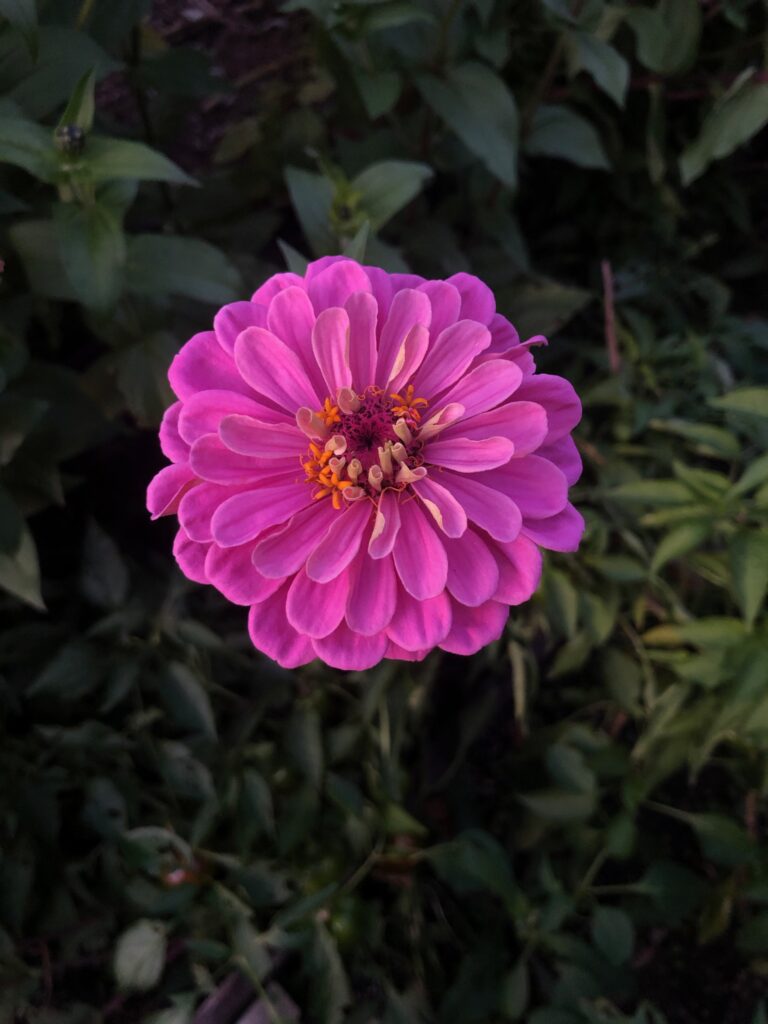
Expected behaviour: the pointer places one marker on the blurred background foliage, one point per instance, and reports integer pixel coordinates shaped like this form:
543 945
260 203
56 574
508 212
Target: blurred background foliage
569 827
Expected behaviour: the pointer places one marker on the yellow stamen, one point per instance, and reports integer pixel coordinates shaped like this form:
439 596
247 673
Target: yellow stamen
407 404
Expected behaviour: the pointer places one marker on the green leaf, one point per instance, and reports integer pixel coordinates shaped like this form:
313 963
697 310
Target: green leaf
329 992
674 889
81 107
750 401
388 186
312 196
542 306
560 132
107 159
752 937
651 492
355 247
477 105
559 805
515 992
755 474
105 809
256 802
749 567
22 15
568 769
602 62
379 90
168 264
667 36
188 704
20 572
680 541
707 439
473 862
304 744
28 145
72 672
141 373
103 574
11 523
731 123
92 246
140 956
613 933
715 631
37 244
186 776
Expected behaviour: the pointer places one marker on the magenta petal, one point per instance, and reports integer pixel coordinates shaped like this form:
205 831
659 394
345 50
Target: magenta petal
172 444
558 398
420 558
330 344
449 356
248 436
409 358
203 364
316 609
286 550
385 526
519 565
202 413
231 571
565 456
316 267
334 285
397 653
347 650
504 337
562 532
168 487
522 423
372 595
197 508
211 460
446 305
271 632
277 283
477 301
341 543
233 319
418 625
473 573
244 516
382 289
274 370
291 317
465 455
485 386
190 557
474 628
362 311
484 505
538 487
447 512
408 308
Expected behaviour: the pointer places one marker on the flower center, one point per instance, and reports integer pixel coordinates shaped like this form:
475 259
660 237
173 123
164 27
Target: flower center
363 444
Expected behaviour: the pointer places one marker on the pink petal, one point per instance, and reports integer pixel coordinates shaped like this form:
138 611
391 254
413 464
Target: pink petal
396 653
446 304
316 609
562 532
248 436
244 516
477 301
465 455
537 487
231 571
522 423
286 550
449 356
484 505
334 285
519 565
382 289
202 364
330 343
211 460
504 337
474 628
276 284
473 572
341 543
409 358
190 557
419 625
233 319
408 308
316 267
273 370
372 595
565 456
558 398
197 508
420 558
350 651
168 487
204 411
447 512
291 318
485 386
271 632
386 525
362 311
172 444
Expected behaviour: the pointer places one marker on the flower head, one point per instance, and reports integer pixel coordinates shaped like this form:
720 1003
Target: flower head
370 462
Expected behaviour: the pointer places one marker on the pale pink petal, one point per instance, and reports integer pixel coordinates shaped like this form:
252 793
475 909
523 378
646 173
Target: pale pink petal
274 370
519 565
244 516
334 285
408 308
291 317
350 651
419 625
372 595
449 356
249 436
473 573
204 411
172 444
409 358
275 284
420 558
190 557
233 319
537 486
211 460
231 571
558 398
447 512
202 364
330 344
474 628
386 525
341 542
477 301
523 423
485 386
562 532
316 609
397 653
362 311
446 304
271 632
168 487
466 455
286 550
197 508
484 505
565 456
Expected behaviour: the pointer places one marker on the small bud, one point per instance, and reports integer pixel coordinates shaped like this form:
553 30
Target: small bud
69 139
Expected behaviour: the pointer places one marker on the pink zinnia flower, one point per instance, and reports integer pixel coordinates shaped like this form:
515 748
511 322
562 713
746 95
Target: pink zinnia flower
370 462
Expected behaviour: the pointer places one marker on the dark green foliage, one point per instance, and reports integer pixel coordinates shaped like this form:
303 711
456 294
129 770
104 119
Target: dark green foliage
567 828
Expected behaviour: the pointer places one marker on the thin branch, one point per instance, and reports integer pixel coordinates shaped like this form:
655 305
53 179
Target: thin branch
611 341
